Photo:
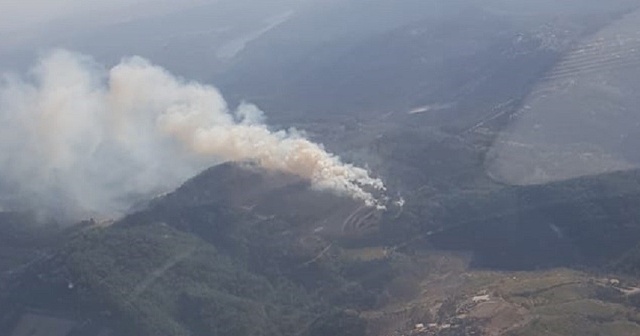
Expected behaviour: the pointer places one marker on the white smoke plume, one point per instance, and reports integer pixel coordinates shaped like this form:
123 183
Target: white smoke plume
77 137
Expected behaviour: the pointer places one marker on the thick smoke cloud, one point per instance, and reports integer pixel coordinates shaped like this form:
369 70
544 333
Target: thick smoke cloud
77 139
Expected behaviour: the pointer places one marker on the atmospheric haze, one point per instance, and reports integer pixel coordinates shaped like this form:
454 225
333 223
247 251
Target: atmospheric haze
77 139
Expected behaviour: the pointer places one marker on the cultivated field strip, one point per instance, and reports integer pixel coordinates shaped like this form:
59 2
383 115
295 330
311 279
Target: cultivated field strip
362 221
600 55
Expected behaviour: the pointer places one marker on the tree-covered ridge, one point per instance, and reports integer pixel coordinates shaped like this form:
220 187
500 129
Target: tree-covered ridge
273 258
163 281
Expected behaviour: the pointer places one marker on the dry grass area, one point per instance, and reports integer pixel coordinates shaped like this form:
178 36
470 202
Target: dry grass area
454 299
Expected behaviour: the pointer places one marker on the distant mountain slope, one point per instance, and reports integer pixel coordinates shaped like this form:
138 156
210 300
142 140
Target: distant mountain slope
582 118
583 222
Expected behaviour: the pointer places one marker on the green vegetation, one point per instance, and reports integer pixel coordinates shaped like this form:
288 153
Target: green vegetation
199 263
162 281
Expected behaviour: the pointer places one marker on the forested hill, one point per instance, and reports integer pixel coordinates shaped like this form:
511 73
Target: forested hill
238 250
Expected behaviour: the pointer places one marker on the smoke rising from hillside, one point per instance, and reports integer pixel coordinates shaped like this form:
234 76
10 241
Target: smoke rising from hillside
77 139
